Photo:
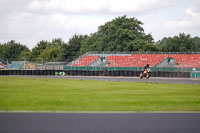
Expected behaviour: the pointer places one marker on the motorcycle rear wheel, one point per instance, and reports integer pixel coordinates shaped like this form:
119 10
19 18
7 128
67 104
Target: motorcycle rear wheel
147 76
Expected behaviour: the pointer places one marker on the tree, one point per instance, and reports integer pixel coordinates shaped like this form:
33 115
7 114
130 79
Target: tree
50 54
38 49
12 50
48 51
56 42
197 42
71 50
181 43
121 34
2 51
25 55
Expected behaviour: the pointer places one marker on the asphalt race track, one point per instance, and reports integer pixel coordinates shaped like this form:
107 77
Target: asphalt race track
127 79
137 79
99 122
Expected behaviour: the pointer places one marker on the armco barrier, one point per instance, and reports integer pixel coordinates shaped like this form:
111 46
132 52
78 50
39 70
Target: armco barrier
100 73
195 74
153 69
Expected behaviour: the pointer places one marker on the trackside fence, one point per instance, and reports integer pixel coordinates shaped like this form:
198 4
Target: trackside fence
153 69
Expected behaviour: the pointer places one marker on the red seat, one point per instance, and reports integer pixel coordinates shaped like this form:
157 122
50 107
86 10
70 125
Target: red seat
86 60
140 60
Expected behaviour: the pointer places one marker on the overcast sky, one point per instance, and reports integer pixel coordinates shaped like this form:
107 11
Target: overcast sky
30 21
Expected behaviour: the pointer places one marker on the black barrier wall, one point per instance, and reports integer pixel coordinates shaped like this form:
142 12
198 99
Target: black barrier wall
94 73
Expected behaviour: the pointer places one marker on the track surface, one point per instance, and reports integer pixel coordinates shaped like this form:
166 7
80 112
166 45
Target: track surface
127 79
99 122
136 79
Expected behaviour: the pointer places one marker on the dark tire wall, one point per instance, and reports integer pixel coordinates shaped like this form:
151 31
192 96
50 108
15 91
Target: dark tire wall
94 73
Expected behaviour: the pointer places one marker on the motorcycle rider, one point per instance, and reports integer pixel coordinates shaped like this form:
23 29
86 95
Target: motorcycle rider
145 68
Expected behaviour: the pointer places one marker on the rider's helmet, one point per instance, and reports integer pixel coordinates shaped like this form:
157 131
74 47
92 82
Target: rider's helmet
147 66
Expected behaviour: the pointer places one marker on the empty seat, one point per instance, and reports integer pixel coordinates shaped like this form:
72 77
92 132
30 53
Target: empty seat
86 60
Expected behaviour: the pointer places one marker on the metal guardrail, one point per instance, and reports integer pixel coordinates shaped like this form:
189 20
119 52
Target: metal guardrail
153 69
195 74
138 52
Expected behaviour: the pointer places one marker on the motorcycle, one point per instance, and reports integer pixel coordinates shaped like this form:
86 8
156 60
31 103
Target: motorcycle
146 73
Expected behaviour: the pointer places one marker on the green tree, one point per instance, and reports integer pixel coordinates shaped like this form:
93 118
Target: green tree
50 54
38 49
71 50
121 34
197 43
2 51
48 51
25 55
12 50
181 43
56 42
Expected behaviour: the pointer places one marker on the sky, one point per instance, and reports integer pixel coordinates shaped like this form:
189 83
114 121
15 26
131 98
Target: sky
30 21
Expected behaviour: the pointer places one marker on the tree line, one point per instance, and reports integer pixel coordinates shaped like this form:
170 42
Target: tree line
120 34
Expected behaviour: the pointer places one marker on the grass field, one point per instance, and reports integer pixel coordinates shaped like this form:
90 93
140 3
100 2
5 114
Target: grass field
40 94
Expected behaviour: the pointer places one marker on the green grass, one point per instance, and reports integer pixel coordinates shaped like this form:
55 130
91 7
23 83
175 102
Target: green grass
40 94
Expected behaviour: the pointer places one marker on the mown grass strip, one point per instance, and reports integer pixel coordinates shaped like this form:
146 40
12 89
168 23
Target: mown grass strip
40 94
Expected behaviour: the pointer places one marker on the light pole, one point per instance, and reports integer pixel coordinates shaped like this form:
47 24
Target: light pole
24 63
7 63
42 63
54 62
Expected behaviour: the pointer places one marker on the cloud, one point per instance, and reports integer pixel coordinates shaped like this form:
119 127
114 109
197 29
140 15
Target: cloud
30 28
96 6
190 20
29 21
9 6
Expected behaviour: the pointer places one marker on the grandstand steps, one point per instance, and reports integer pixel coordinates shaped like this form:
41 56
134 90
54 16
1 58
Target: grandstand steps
77 59
101 62
86 61
167 62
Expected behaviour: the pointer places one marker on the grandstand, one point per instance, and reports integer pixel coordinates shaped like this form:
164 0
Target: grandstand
139 59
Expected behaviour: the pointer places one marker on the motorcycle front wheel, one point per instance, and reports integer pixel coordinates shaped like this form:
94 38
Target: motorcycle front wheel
141 76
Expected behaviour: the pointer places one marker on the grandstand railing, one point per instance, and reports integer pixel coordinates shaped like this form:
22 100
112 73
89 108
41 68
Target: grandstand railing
138 52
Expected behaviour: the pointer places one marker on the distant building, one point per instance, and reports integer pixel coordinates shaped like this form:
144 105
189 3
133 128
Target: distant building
2 66
22 65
